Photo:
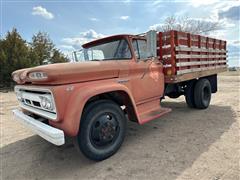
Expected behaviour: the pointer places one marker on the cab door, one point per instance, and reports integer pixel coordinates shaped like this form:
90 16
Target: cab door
146 74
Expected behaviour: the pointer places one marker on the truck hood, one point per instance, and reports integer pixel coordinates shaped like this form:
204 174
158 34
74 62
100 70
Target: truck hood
65 73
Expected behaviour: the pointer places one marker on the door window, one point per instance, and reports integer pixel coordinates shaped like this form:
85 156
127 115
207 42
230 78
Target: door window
140 49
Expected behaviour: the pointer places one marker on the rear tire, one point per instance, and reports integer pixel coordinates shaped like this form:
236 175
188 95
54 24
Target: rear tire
202 93
189 94
102 130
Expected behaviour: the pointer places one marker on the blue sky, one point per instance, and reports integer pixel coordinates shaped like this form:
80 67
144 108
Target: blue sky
71 23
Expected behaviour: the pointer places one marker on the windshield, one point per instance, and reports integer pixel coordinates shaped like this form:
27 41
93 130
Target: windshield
116 49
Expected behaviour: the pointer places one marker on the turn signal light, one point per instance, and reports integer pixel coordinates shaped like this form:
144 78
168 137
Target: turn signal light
169 72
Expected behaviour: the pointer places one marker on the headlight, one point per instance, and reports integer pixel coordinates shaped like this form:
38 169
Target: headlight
46 103
37 75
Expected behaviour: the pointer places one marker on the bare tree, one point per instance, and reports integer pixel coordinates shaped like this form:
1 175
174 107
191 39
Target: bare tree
187 24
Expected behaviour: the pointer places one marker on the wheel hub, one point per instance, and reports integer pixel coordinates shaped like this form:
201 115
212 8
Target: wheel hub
105 129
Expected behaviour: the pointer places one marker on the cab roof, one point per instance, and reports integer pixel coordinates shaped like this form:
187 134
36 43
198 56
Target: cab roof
105 39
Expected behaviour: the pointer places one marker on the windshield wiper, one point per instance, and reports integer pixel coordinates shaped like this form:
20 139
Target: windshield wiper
96 60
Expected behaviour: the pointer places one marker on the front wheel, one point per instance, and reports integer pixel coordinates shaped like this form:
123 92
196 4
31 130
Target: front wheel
102 130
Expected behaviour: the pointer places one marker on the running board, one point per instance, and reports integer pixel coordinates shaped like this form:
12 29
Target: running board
154 114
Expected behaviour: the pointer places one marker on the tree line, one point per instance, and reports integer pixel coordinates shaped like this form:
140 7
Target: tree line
17 53
186 24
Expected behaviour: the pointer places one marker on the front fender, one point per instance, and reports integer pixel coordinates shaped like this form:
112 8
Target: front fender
81 93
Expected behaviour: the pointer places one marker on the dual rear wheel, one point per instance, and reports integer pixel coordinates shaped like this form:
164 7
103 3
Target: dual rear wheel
198 94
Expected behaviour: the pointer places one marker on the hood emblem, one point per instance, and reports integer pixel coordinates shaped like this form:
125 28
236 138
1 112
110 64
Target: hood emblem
122 80
70 88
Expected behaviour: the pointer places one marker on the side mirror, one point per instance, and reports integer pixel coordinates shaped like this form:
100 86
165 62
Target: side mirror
151 43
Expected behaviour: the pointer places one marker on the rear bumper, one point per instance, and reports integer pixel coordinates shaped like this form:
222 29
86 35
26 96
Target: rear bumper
49 133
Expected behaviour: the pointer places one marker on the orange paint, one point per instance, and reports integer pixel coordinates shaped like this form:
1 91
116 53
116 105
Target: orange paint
142 81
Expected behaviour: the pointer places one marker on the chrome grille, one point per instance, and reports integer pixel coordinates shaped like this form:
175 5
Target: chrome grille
30 99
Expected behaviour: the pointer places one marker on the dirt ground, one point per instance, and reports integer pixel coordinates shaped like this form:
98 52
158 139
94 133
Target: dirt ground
185 144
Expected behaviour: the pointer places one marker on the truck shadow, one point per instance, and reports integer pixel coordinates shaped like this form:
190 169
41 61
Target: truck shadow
163 148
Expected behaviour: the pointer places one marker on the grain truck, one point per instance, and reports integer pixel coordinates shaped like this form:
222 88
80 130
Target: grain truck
117 79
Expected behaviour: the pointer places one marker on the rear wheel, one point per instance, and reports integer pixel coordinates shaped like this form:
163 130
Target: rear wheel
102 130
202 93
189 94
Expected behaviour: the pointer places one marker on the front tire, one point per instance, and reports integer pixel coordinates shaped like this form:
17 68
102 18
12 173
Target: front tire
102 130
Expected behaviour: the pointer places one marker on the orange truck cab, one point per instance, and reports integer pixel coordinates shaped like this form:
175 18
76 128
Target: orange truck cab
115 79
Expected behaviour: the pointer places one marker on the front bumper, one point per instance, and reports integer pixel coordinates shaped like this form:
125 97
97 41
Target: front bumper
49 133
